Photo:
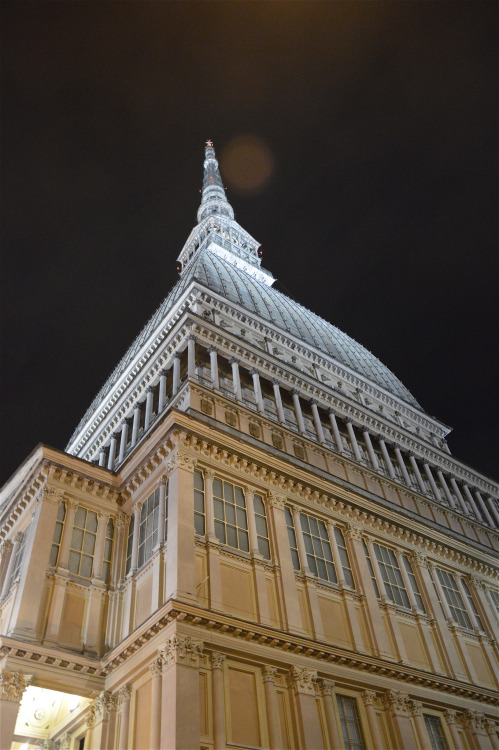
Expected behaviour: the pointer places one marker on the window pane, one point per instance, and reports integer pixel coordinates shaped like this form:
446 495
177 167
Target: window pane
74 562
89 544
77 539
91 521
86 566
258 505
241 518
230 513
228 492
231 536
218 508
261 526
80 516
220 531
199 523
239 496
217 487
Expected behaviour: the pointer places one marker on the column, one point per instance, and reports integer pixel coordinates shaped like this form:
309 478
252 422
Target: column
10 567
209 475
459 496
236 380
278 401
162 510
136 423
447 494
124 695
155 732
253 539
369 698
432 482
491 729
112 450
370 450
176 373
484 510
98 719
191 356
291 607
472 502
135 541
327 689
302 553
402 465
12 687
271 706
213 351
100 541
386 458
102 456
398 705
303 683
493 509
124 438
317 422
298 412
162 390
353 440
149 400
474 722
217 663
416 711
257 390
450 718
336 432
180 550
67 533
417 473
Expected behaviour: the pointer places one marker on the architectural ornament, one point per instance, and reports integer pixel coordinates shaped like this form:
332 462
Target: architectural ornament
419 558
303 680
415 708
12 686
276 500
474 721
217 660
104 703
327 687
490 726
397 702
5 548
65 741
369 697
124 694
269 673
180 650
49 494
156 666
450 716
354 531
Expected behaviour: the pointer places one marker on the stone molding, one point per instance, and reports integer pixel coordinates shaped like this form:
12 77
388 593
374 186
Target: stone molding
302 680
369 697
474 721
12 686
179 650
397 702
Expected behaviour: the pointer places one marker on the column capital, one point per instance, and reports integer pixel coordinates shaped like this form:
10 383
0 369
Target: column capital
354 531
475 721
104 703
475 581
180 460
233 361
302 680
450 716
269 673
276 381
180 650
137 406
163 373
191 337
419 558
12 685
254 371
397 702
5 547
128 421
156 666
313 402
124 694
415 708
65 741
327 686
295 392
217 660
369 697
490 726
49 494
276 500
150 389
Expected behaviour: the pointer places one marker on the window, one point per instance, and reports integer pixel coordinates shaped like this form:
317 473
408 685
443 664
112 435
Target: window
19 556
81 551
148 529
318 548
391 575
413 582
495 598
350 723
292 538
343 554
129 546
262 533
56 543
198 503
108 551
454 600
371 569
166 510
435 732
472 604
231 524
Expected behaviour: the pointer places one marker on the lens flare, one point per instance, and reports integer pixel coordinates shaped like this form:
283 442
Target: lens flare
246 164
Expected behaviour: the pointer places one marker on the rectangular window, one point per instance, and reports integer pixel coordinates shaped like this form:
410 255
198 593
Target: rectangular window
108 551
229 506
199 523
82 547
472 604
129 546
454 600
371 569
262 533
19 556
413 582
318 548
56 542
435 732
351 728
345 562
391 575
148 529
495 598
292 538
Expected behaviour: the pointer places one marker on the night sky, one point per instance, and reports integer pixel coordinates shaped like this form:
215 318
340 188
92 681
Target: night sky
380 212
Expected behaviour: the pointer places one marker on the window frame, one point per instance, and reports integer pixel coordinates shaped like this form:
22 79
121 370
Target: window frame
231 516
59 523
350 743
464 621
389 564
312 543
86 532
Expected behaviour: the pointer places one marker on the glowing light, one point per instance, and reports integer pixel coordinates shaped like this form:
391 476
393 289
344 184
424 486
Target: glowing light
246 164
74 703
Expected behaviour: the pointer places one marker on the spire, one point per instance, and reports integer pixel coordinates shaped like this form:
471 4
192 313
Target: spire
214 200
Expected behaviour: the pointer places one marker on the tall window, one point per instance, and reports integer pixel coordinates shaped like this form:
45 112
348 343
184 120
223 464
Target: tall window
472 604
391 575
19 556
231 523
129 546
435 732
495 598
292 538
318 548
342 551
81 551
198 502
371 569
148 529
454 600
108 551
262 533
56 542
351 728
413 582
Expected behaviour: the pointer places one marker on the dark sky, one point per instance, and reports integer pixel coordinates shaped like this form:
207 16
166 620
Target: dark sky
380 214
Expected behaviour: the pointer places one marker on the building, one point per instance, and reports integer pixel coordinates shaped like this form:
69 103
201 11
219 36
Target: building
256 538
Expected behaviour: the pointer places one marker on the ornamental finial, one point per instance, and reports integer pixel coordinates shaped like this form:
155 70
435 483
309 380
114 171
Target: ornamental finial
209 144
